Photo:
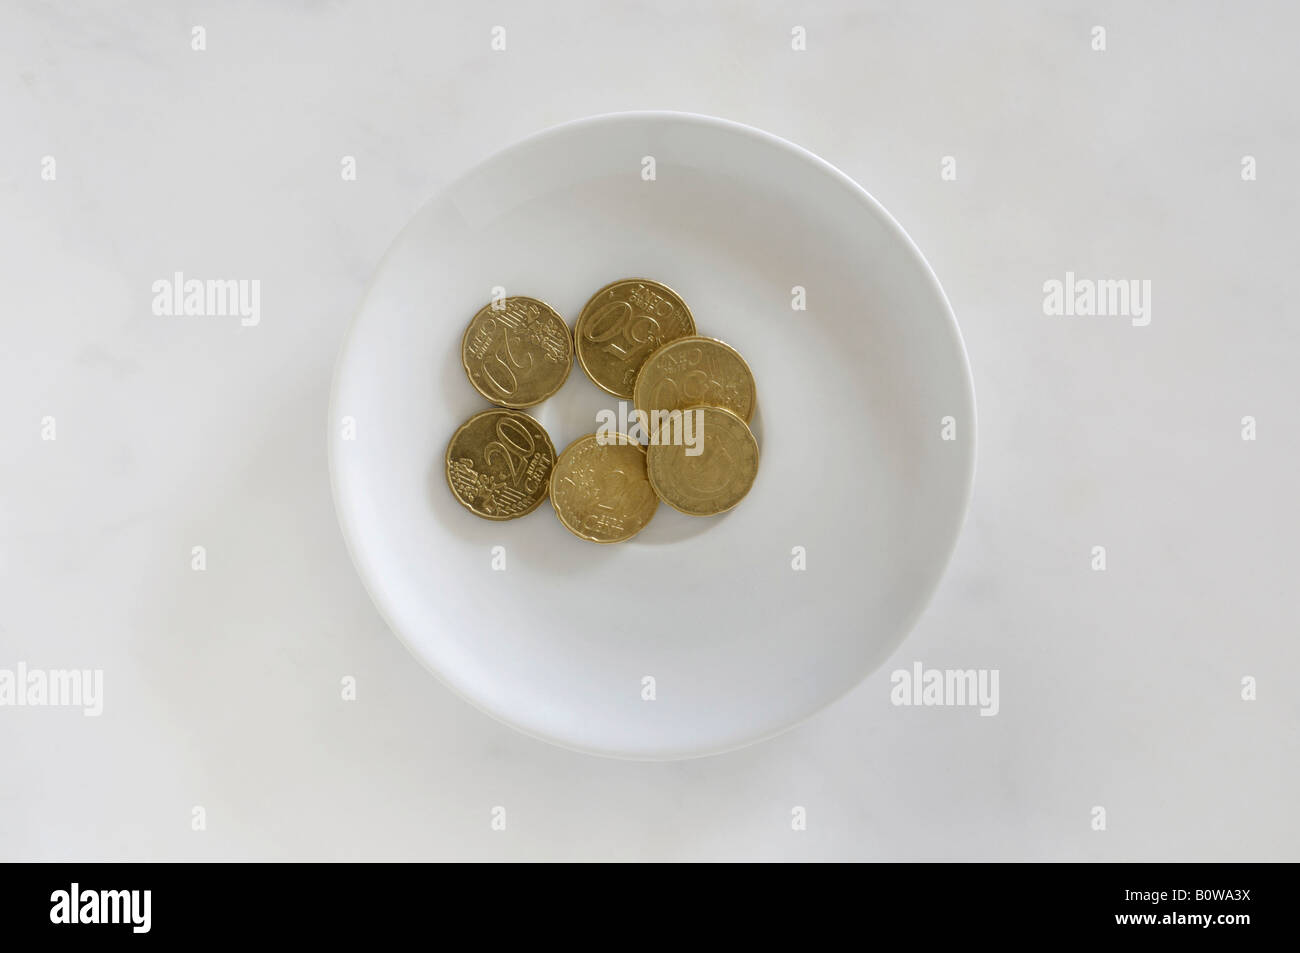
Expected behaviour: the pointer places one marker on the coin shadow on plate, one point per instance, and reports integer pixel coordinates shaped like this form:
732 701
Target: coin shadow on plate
670 526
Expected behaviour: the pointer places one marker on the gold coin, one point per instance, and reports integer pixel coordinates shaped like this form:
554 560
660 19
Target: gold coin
499 464
695 370
622 324
717 477
518 353
600 491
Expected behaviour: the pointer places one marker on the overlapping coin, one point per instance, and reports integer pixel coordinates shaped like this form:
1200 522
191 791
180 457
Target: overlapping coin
599 489
696 370
635 338
499 464
622 324
517 352
711 473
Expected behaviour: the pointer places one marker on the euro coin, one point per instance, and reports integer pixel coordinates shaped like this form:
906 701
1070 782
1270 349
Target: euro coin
499 464
622 324
599 489
517 352
692 371
702 460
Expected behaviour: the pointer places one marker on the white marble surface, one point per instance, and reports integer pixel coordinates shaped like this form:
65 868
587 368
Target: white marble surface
1119 688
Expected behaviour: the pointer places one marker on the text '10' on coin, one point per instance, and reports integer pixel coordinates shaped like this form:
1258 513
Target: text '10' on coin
716 478
622 324
600 491
696 370
499 464
517 351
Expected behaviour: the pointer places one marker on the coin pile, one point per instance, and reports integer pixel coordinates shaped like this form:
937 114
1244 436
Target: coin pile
636 339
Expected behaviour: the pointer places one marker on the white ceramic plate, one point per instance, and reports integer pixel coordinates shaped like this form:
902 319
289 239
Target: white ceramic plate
855 470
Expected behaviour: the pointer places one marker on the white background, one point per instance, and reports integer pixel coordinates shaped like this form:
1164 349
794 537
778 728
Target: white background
1119 688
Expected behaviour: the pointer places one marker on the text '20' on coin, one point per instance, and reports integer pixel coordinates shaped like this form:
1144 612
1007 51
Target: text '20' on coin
600 491
622 324
714 479
517 352
696 370
499 464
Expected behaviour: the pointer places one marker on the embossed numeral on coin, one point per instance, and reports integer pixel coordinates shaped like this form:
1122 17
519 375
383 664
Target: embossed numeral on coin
612 489
613 495
635 335
691 388
505 447
510 367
